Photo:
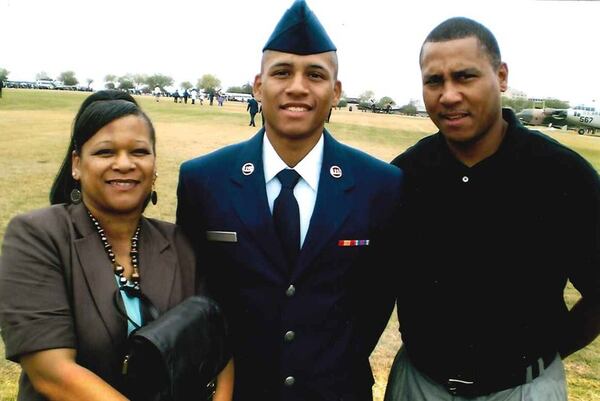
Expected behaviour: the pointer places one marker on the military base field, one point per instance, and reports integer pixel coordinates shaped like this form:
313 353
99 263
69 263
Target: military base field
34 133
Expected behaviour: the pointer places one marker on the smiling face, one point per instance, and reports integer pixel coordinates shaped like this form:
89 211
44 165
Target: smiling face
297 92
461 89
116 167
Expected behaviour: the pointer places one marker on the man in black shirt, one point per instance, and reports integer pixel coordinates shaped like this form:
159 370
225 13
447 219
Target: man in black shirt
497 219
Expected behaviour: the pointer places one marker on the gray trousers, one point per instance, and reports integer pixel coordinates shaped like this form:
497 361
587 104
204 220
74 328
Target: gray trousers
405 383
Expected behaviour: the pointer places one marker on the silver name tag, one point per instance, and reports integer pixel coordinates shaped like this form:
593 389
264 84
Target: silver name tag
221 236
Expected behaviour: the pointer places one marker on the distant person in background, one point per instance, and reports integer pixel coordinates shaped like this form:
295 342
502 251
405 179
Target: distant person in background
176 95
1 86
194 95
157 93
211 97
252 108
186 95
497 218
77 277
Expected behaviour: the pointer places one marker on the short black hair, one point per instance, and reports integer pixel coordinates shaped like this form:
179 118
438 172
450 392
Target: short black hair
96 111
462 27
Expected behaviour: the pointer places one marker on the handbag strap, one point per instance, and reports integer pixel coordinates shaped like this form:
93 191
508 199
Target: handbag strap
148 310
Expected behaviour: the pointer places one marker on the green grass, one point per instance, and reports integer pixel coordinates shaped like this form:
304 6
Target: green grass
34 132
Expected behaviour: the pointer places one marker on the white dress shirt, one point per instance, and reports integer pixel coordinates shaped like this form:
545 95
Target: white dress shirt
305 191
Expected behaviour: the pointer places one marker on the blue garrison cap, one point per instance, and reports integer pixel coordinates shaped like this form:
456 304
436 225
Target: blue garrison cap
299 32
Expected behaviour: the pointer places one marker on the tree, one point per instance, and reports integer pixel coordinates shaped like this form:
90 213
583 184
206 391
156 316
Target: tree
366 96
246 88
556 103
68 78
110 80
366 100
384 101
517 104
186 85
4 74
139 79
209 83
126 82
159 80
89 81
42 75
409 109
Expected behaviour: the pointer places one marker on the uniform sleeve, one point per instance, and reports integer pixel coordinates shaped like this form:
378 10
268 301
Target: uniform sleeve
186 211
34 304
378 304
188 219
188 264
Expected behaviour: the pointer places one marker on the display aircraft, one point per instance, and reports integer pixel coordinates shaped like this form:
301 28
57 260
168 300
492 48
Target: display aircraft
536 116
583 119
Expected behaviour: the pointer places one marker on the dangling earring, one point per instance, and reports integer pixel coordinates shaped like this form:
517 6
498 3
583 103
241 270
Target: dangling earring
153 194
75 196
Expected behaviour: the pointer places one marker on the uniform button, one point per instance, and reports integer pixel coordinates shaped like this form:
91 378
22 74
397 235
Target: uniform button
289 336
465 179
290 291
289 381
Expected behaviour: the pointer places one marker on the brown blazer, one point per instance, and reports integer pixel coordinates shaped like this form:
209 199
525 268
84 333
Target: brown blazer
57 287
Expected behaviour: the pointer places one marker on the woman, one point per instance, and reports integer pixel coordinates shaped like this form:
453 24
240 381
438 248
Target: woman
70 274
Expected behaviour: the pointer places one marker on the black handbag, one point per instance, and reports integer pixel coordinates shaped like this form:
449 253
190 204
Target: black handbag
178 356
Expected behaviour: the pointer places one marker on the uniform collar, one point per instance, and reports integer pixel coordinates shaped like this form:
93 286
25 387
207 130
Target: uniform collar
309 167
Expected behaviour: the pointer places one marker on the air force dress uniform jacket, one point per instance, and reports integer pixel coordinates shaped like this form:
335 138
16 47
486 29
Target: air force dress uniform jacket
300 332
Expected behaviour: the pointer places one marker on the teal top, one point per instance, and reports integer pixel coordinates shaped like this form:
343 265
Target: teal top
132 308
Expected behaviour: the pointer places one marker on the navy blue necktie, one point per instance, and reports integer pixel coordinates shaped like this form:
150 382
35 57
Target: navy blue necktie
286 215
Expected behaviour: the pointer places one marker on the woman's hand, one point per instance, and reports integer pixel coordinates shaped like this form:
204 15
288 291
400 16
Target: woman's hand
55 374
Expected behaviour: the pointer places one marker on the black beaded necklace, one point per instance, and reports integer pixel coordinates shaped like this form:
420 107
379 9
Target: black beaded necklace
133 287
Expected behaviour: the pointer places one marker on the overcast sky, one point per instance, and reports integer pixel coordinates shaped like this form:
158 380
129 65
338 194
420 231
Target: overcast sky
551 47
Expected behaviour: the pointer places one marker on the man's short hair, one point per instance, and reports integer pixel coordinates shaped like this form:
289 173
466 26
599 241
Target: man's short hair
460 28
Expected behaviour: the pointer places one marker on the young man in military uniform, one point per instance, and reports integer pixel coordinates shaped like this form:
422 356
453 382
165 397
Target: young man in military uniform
293 228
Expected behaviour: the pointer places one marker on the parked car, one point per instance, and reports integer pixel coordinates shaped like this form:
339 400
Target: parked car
44 84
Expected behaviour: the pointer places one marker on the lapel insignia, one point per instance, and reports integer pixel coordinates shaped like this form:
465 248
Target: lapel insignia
335 171
247 168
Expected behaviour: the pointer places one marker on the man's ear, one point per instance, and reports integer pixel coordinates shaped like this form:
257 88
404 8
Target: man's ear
337 93
257 87
503 77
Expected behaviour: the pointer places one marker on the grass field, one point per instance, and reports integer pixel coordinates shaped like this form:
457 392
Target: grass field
34 131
